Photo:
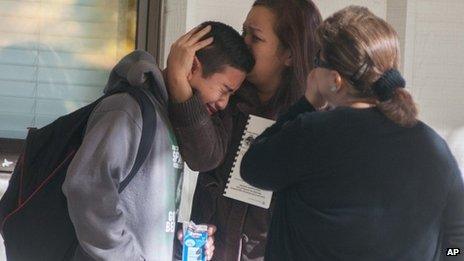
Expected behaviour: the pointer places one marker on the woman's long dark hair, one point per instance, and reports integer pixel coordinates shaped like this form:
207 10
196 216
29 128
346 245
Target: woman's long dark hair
296 23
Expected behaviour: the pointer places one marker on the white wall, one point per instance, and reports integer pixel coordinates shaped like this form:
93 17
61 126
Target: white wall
182 15
328 7
231 12
173 25
434 65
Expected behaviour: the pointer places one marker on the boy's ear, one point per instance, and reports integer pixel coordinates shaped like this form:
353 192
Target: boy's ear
196 68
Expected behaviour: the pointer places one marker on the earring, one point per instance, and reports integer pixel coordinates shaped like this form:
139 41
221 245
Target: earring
333 88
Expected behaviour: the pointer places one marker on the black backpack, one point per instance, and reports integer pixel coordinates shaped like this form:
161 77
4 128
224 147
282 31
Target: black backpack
33 211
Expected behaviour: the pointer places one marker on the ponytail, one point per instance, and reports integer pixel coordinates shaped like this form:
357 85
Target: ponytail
401 108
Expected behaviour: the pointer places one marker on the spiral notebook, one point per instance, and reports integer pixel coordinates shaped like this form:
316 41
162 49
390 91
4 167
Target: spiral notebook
236 187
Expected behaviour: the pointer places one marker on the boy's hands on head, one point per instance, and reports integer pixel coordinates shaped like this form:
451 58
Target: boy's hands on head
180 62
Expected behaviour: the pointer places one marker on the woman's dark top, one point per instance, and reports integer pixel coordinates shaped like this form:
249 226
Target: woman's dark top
353 185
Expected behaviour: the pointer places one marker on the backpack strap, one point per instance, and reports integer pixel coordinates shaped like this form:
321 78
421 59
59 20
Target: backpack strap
148 111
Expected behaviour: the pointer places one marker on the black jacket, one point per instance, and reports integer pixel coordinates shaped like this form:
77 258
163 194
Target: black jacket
353 185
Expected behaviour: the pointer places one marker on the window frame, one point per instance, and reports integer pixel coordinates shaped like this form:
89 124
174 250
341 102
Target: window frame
150 21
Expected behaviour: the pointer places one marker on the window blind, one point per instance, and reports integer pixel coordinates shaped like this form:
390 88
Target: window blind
55 56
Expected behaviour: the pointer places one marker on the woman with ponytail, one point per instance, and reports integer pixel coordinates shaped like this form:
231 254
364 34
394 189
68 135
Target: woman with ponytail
365 180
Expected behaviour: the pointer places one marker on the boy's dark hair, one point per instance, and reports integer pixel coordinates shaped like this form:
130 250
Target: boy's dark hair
228 48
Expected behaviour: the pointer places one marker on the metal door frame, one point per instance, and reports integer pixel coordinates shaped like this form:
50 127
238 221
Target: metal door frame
150 21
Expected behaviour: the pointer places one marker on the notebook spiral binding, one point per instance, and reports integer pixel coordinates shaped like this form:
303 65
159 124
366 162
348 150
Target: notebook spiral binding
239 149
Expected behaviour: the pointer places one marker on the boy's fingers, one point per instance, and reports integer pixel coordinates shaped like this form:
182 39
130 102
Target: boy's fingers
211 230
198 35
209 252
210 241
186 37
180 235
203 44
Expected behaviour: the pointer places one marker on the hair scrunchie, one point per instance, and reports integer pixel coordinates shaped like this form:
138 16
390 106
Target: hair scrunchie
384 87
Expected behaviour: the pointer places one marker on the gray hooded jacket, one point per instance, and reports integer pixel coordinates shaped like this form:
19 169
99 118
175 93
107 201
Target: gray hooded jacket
139 223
